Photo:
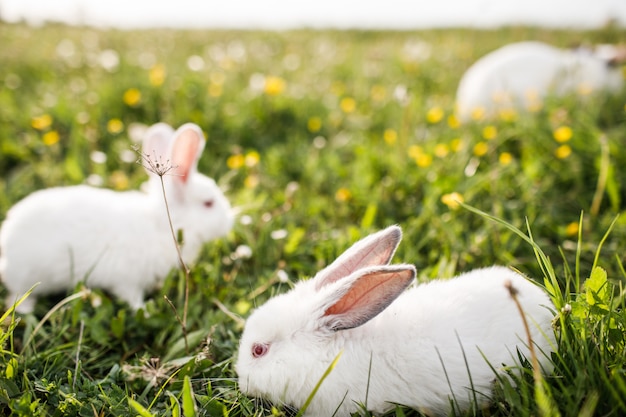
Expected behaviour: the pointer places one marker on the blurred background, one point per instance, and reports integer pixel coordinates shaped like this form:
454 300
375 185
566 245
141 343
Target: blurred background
286 14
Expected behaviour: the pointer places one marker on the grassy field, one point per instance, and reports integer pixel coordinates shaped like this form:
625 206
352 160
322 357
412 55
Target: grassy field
319 138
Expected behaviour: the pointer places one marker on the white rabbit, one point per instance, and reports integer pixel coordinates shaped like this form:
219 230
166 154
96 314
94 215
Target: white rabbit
398 347
520 75
118 241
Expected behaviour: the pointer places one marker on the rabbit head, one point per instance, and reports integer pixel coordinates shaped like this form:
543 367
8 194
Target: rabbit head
196 204
289 341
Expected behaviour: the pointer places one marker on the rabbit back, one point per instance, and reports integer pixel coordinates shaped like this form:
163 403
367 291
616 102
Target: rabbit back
441 341
521 75
60 236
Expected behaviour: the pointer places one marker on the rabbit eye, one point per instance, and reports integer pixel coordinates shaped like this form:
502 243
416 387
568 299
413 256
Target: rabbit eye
208 203
259 349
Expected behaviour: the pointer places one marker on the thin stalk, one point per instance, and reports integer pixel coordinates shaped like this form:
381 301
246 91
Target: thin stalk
183 266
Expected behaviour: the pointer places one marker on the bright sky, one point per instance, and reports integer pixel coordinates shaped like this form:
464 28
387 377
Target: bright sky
283 14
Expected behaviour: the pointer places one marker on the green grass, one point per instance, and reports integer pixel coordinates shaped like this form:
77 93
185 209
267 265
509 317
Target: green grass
320 138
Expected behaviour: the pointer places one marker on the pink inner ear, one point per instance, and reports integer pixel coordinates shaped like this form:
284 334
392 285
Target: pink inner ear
185 153
367 291
368 295
376 249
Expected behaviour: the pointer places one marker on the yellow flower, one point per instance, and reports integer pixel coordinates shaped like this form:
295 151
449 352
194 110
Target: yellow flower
456 144
481 148
314 124
434 115
452 200
41 122
584 89
337 88
215 90
442 150
157 75
119 180
505 158
115 126
390 136
132 97
490 132
274 86
235 161
563 151
347 104
251 181
424 160
478 113
571 229
453 122
378 93
415 151
50 138
252 158
562 134
507 115
343 195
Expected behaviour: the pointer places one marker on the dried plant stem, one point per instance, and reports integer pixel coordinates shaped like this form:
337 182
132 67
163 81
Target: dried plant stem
185 269
542 396
533 355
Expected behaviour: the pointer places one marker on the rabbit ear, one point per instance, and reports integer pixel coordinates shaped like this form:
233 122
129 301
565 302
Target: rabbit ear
366 294
156 143
375 249
186 150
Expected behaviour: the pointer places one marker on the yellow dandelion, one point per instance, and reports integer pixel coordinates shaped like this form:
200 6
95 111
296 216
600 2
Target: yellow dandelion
119 180
453 122
347 104
41 122
434 115
452 200
251 181
424 160
533 100
563 151
215 90
584 89
378 93
490 132
157 75
562 134
50 138
314 124
390 136
217 77
456 144
534 106
252 158
274 86
337 88
132 97
478 113
343 194
481 148
507 115
415 151
115 126
442 150
235 161
505 158
571 229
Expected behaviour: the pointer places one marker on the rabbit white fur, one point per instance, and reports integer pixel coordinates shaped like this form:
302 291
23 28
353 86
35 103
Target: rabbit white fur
521 75
410 351
118 241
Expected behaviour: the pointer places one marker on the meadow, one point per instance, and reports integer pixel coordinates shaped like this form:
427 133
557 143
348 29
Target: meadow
318 138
